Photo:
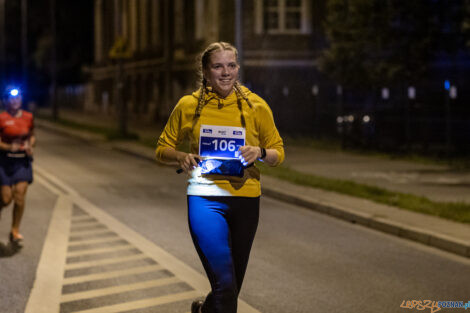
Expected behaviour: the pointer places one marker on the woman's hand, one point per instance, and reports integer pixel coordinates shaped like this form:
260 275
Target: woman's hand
187 161
28 148
248 154
15 146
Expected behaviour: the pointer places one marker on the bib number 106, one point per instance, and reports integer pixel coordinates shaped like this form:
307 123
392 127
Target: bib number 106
224 145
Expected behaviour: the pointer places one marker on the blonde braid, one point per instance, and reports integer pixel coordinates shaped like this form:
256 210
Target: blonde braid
240 93
201 102
202 99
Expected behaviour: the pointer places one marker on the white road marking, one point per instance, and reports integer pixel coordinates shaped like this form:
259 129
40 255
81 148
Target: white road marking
140 304
47 184
80 218
116 260
93 241
46 292
93 234
118 289
165 260
55 180
111 274
94 251
84 224
80 230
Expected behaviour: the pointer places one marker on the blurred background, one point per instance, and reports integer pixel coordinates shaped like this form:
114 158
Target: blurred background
388 75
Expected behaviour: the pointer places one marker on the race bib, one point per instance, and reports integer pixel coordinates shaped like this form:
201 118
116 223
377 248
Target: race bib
220 142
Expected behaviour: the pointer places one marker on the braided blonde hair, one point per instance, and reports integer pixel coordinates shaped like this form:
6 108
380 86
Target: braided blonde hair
203 63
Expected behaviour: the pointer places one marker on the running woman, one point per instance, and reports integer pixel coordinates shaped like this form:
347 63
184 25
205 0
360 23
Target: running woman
16 150
229 128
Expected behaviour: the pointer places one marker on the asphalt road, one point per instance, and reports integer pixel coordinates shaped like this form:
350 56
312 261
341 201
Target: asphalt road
301 261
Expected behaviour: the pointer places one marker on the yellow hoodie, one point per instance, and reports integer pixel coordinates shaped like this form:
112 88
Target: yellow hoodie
260 131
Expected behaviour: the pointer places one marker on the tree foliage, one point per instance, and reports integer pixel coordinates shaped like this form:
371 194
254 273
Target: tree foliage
378 42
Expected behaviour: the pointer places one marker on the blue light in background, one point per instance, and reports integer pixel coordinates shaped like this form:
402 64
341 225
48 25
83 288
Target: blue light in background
447 84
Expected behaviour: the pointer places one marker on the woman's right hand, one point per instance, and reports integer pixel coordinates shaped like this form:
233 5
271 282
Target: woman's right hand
187 161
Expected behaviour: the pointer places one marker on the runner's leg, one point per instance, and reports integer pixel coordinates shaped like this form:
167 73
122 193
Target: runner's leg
19 193
211 236
244 218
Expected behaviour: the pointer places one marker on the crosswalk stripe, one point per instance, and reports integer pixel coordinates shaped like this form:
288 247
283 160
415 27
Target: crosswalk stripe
111 274
81 218
89 232
145 303
92 235
93 241
92 250
94 246
85 264
117 289
86 229
84 223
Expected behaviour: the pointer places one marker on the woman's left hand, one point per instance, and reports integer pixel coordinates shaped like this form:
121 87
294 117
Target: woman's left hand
248 154
28 148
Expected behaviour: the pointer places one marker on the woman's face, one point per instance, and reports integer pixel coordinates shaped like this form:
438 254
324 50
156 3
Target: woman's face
14 103
222 72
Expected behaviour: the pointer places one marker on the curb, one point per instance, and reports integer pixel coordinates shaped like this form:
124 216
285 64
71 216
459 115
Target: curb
439 241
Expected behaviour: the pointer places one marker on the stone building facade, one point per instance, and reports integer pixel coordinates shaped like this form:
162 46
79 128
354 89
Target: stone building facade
279 42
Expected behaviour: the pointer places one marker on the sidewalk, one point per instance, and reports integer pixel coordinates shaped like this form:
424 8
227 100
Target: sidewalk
433 231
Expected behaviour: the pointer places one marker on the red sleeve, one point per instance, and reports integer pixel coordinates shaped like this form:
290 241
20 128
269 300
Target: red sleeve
31 123
28 116
2 122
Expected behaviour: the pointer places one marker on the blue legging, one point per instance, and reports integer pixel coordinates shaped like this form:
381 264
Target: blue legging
223 229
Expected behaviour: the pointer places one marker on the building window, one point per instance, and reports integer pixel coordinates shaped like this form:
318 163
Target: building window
282 16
